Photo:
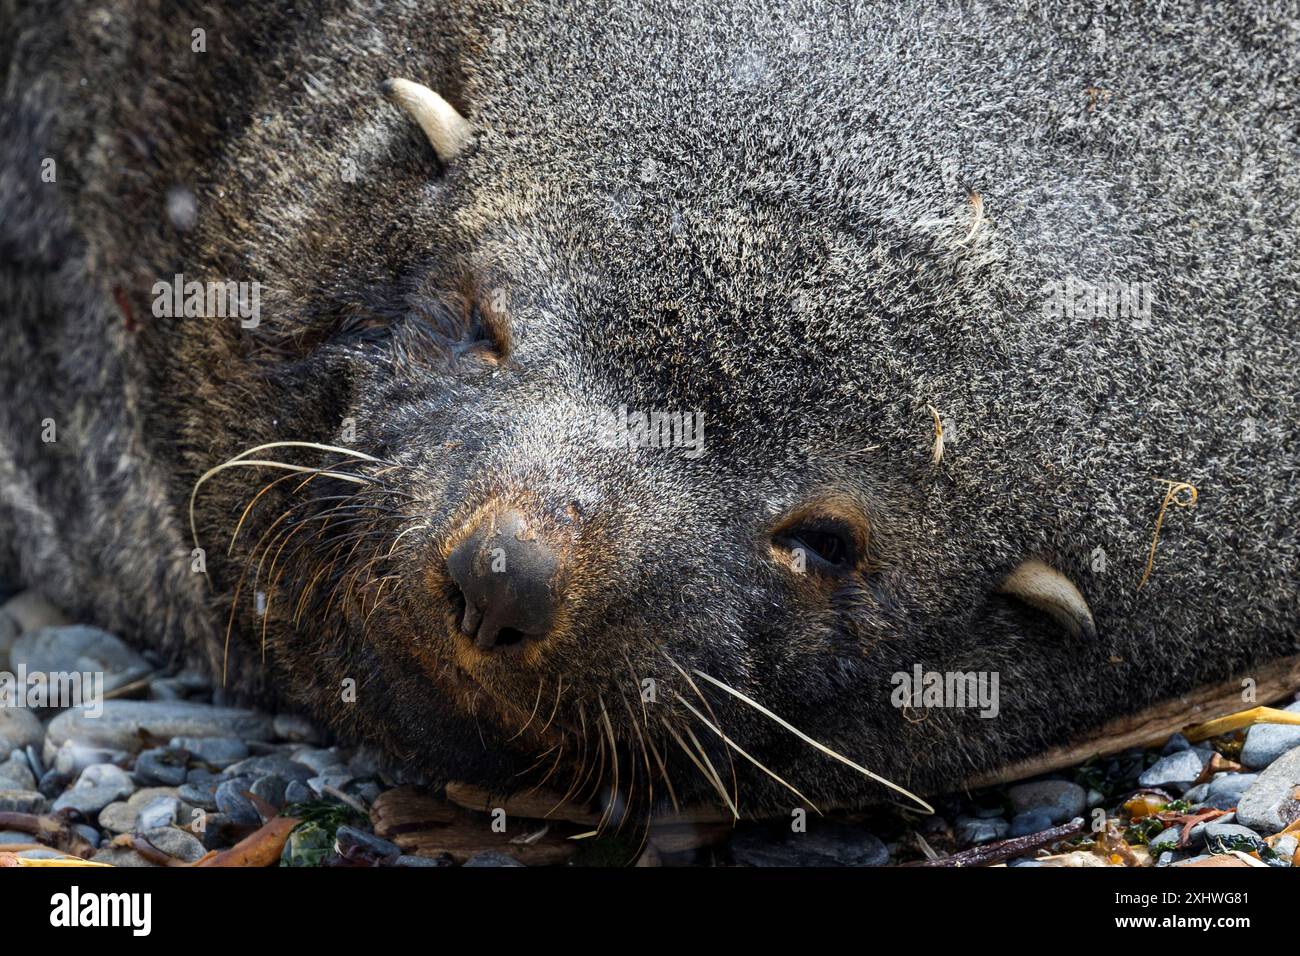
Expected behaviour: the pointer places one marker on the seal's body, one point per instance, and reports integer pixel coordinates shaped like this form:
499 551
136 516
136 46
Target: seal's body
805 236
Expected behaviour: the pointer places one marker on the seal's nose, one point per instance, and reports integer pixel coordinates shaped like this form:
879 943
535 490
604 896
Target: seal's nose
507 575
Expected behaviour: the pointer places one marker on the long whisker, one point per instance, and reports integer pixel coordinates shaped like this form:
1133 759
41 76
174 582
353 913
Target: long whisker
712 778
735 746
815 744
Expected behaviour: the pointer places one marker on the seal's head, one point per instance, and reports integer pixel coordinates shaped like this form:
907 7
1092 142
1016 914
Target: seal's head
628 485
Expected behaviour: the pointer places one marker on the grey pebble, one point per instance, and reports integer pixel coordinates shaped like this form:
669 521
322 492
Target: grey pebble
1233 783
15 774
216 752
79 649
72 757
270 788
161 766
824 844
202 795
232 802
97 787
158 812
973 830
1270 803
1267 742
1031 821
320 761
350 840
1061 800
176 842
262 766
297 792
1222 837
120 725
1177 770
19 728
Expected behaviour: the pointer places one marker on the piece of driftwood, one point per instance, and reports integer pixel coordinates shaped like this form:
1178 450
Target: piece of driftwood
425 825
1273 681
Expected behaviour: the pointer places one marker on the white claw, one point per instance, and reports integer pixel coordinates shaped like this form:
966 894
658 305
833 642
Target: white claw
1042 586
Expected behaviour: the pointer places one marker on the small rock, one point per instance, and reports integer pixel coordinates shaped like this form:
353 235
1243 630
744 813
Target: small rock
320 761
121 724
1175 744
202 795
1061 800
825 844
78 649
297 729
1270 803
23 801
232 802
216 830
1031 821
1196 835
270 788
277 764
1233 783
1286 847
117 817
176 842
120 856
31 612
1226 837
360 846
54 783
163 766
972 830
1179 769
1166 840
217 752
335 781
158 812
491 858
71 758
297 792
19 728
15 774
1198 793
89 834
10 837
1267 742
97 787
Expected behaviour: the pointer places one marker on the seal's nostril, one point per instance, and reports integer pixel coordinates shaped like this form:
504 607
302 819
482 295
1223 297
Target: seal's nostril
506 574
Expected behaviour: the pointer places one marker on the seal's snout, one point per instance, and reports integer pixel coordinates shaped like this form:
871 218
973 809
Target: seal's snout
509 577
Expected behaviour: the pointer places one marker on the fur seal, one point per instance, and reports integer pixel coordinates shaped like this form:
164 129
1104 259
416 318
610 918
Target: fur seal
623 395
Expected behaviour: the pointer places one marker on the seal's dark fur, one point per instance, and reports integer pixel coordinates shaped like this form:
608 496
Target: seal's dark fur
809 223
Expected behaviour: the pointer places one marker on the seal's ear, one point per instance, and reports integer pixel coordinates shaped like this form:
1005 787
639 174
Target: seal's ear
447 130
1042 586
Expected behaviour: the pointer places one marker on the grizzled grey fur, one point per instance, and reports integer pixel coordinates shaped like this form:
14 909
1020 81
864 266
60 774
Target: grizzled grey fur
808 221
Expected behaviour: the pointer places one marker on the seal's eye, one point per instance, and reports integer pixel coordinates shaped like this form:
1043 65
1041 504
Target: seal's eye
822 544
